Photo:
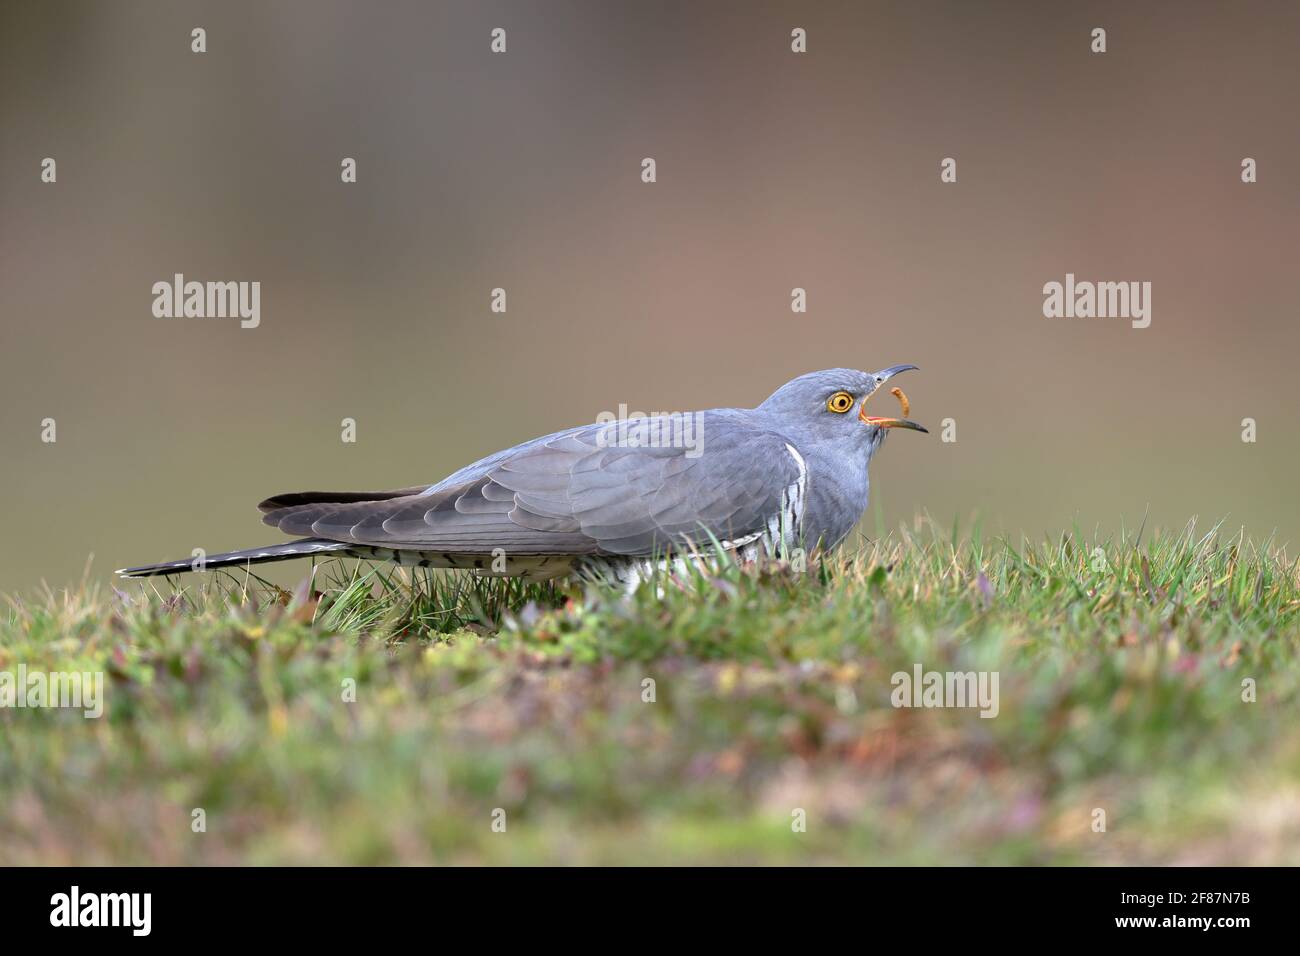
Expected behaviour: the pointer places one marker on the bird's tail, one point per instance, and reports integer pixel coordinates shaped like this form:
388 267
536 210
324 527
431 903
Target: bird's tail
275 552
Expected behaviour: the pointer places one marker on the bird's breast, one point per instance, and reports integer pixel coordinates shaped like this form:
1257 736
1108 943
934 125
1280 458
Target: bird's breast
836 498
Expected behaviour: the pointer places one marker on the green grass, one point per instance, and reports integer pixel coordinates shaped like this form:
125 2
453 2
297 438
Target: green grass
1121 688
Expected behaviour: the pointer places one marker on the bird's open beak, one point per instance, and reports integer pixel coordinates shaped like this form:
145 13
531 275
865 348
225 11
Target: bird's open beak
882 377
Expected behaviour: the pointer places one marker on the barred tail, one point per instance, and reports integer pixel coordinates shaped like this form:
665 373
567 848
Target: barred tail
275 552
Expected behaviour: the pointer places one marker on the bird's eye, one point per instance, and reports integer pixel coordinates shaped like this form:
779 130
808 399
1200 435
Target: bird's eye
840 402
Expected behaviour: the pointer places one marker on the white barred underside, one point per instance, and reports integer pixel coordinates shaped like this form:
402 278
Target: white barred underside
521 565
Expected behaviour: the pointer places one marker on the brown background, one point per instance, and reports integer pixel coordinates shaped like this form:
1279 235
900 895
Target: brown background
522 171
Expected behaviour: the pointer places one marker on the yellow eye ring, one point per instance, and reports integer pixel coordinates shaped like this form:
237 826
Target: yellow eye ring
839 403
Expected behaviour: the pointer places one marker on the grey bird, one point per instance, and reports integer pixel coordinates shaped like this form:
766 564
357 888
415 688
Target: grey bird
614 498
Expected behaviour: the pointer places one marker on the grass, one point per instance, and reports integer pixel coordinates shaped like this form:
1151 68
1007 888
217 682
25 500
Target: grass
1120 680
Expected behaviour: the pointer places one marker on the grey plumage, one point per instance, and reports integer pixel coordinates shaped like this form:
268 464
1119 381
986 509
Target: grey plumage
604 498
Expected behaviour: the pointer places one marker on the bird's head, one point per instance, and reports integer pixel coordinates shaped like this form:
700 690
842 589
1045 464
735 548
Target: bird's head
832 405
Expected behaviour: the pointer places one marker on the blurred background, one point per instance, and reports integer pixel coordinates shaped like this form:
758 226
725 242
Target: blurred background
522 171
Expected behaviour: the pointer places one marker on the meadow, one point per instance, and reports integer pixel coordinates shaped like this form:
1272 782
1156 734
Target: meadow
1147 712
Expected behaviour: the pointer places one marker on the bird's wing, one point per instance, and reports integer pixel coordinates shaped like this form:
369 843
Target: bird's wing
586 491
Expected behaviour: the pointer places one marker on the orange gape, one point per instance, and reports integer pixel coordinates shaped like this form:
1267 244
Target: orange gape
902 400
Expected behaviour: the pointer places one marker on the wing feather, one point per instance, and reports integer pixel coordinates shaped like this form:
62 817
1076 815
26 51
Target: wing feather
570 493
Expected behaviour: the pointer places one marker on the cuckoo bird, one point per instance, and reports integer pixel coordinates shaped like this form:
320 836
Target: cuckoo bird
614 498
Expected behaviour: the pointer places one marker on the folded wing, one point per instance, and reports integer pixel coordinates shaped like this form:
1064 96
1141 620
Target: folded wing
594 490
